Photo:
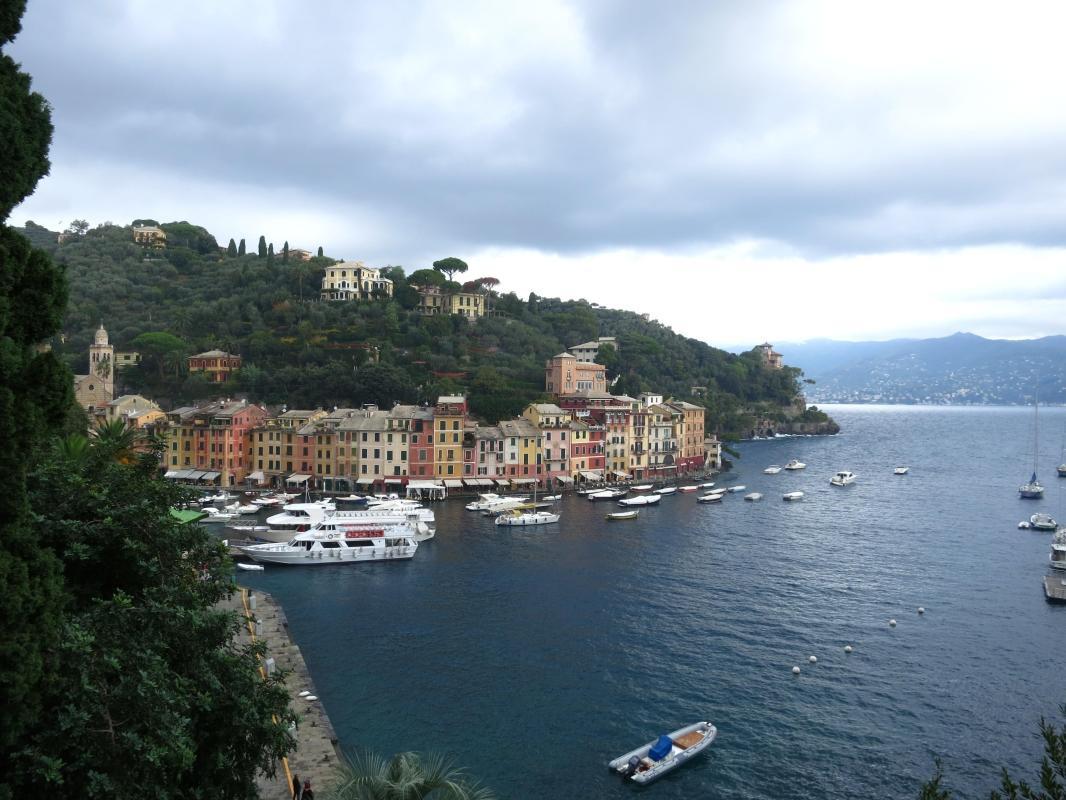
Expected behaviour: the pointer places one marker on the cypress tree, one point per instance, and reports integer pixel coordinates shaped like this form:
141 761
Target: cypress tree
262 246
270 252
240 248
35 394
231 251
320 251
285 252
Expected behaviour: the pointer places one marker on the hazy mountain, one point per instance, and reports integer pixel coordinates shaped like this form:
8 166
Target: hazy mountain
958 369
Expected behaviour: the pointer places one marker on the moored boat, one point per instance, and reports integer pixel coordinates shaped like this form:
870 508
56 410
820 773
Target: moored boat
519 518
644 487
666 490
607 494
753 497
641 500
1043 522
773 469
656 758
708 485
843 478
901 470
1058 549
711 497
616 515
318 547
792 496
795 464
735 489
687 489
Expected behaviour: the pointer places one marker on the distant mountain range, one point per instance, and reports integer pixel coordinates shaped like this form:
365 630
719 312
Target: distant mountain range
962 369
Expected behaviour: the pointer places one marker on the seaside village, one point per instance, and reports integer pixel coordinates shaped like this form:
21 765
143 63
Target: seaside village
587 435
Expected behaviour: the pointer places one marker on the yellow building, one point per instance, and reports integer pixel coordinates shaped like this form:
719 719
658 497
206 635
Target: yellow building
135 411
353 280
150 236
434 301
449 424
522 451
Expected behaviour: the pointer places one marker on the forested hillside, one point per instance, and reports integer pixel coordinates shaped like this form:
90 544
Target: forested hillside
194 296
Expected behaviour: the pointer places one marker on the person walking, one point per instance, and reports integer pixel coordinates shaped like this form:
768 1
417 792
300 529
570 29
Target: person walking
297 789
307 793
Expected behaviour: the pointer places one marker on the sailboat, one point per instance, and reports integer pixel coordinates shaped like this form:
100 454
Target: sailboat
1033 490
1062 456
517 516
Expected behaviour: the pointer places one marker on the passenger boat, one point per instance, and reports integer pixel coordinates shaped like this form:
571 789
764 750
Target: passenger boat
317 547
656 758
518 518
795 464
901 470
666 490
753 497
792 496
623 515
687 489
773 469
1058 549
1043 522
644 487
303 517
641 500
607 494
843 478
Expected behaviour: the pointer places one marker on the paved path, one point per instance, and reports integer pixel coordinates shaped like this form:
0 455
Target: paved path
316 743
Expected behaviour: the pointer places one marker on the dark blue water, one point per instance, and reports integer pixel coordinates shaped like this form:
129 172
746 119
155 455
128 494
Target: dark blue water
535 656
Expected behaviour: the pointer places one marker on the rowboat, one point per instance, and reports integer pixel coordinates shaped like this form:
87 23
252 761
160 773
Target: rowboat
666 490
711 497
688 488
656 758
623 515
644 487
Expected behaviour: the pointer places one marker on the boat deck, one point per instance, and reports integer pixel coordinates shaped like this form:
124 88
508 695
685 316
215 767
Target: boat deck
1054 589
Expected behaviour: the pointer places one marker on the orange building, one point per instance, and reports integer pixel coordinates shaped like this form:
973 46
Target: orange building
565 375
215 364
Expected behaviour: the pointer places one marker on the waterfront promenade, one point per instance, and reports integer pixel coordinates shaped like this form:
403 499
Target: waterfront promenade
316 743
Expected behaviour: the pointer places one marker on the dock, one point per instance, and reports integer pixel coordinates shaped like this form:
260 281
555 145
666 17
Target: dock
316 752
1055 588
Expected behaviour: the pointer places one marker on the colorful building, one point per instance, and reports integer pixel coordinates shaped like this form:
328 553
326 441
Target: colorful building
435 301
211 443
522 451
692 453
565 375
449 424
216 365
554 426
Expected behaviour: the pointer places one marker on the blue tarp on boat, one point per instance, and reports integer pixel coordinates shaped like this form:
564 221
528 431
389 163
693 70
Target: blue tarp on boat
661 748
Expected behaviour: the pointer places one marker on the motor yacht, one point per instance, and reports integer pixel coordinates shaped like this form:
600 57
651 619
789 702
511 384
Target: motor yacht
1043 522
795 464
843 478
328 545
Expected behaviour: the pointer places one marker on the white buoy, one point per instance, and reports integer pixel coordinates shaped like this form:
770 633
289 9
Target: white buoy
813 659
892 623
795 670
847 648
921 610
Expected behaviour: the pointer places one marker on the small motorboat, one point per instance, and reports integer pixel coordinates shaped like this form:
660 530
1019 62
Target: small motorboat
644 487
250 567
792 496
641 500
1043 522
607 494
736 489
623 515
773 469
1024 526
901 470
753 497
247 509
517 518
687 489
551 498
214 515
795 464
709 485
711 497
266 501
658 757
666 490
843 478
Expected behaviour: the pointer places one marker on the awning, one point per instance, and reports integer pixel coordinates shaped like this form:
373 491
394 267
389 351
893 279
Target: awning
297 478
425 485
523 481
210 476
256 476
394 480
564 479
503 482
452 483
472 481
592 476
174 474
622 475
364 481
194 475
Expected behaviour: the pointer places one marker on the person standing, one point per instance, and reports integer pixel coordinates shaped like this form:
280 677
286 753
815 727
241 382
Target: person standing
297 789
307 793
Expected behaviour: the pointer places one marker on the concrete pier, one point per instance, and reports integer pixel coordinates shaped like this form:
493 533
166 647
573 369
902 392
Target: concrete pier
316 742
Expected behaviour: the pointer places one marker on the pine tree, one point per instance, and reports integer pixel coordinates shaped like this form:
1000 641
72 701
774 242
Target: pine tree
241 249
320 251
35 394
262 246
270 252
231 251
285 252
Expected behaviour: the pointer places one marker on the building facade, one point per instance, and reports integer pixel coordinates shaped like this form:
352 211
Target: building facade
216 365
565 375
354 281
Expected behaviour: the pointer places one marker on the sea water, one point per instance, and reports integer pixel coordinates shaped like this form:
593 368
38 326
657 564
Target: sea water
533 656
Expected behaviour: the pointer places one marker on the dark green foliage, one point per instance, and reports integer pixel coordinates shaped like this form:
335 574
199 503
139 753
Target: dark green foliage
241 249
150 696
193 237
262 247
25 133
450 265
231 249
285 252
320 251
11 12
405 776
270 251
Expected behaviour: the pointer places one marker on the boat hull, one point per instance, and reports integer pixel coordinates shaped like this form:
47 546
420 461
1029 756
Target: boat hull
675 759
317 558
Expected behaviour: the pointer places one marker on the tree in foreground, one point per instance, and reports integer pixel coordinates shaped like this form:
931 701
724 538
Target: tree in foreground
406 776
1052 772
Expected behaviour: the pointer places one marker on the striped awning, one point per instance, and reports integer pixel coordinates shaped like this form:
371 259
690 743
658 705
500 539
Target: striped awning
523 481
210 476
622 475
194 475
592 475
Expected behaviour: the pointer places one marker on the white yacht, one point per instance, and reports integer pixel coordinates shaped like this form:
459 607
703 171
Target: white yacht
214 515
495 503
773 469
795 464
792 496
516 518
901 470
843 478
1058 549
324 545
302 517
503 505
1043 522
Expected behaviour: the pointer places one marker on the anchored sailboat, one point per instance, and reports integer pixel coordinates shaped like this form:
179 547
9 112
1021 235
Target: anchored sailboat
1033 490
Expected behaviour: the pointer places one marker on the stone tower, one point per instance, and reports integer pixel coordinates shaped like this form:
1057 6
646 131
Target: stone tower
102 362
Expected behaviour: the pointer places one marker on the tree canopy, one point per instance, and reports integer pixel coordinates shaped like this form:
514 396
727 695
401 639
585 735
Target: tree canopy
450 266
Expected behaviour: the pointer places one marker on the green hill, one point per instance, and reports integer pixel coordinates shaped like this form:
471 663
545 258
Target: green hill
192 296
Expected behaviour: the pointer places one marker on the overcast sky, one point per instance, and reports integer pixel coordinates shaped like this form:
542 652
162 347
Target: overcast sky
741 171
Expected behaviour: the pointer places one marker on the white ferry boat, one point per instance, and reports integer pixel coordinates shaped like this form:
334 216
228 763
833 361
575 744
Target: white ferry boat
320 546
303 517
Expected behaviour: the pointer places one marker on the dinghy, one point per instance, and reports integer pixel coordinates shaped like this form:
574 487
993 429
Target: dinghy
666 490
250 567
623 515
793 496
711 497
656 758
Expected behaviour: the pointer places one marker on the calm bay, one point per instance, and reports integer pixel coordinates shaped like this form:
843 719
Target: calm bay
533 656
